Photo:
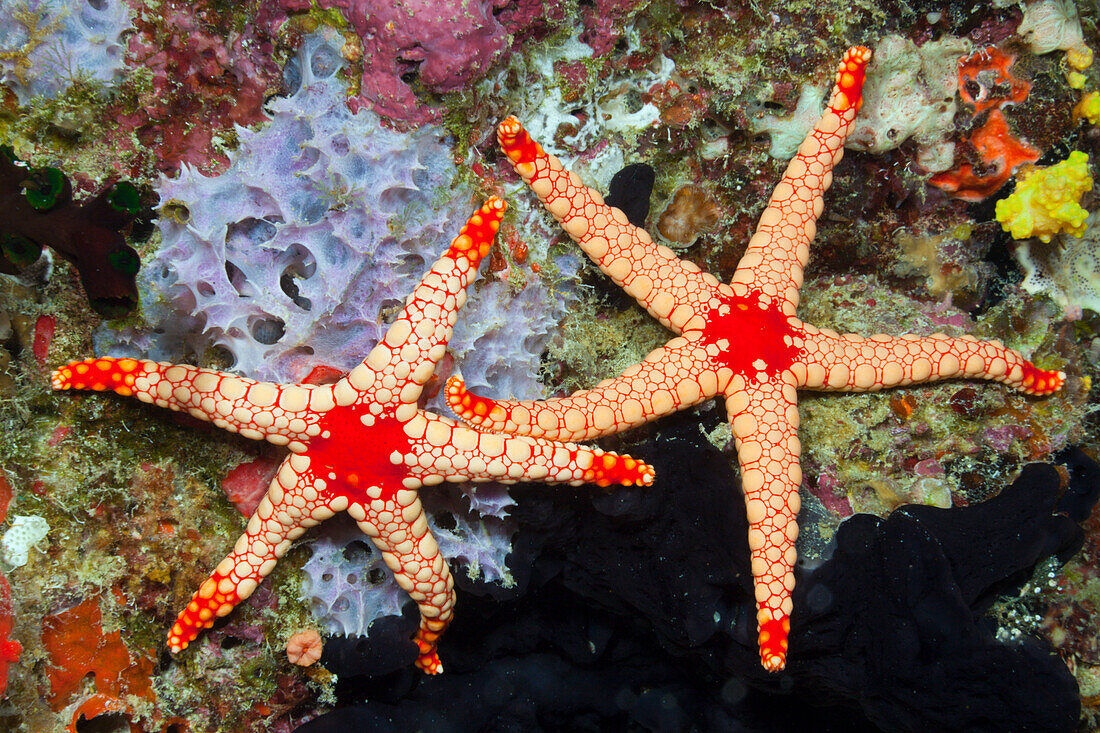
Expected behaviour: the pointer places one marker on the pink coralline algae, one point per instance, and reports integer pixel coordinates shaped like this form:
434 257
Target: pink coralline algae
246 484
603 20
449 44
204 66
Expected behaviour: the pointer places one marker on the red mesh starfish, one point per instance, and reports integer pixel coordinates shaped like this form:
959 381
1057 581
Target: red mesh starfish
360 445
740 341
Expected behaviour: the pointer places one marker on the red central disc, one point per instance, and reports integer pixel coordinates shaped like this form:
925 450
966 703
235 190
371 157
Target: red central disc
752 337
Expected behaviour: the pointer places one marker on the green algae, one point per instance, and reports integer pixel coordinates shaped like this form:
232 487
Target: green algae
598 343
68 129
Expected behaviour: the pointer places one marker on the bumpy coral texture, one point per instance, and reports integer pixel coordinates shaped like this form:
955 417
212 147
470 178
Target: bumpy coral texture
1049 25
24 533
46 44
1068 271
1089 108
911 94
1046 200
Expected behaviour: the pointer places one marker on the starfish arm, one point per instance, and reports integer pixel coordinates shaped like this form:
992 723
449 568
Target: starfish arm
853 363
281 414
671 289
779 248
671 378
397 525
765 430
443 450
396 370
292 505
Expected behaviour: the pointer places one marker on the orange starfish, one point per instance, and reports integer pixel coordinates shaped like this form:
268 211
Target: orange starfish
360 445
740 341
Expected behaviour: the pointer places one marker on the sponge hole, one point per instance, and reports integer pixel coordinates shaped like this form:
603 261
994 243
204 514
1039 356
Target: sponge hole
305 160
249 232
357 552
302 267
268 330
238 280
325 62
302 264
289 286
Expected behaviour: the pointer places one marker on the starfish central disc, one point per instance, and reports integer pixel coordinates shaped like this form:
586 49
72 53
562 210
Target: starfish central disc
356 451
751 337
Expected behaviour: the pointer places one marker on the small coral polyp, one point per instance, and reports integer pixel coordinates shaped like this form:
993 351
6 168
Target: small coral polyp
740 341
325 429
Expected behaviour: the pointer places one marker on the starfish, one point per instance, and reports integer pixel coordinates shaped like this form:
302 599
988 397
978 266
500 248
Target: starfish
360 445
740 341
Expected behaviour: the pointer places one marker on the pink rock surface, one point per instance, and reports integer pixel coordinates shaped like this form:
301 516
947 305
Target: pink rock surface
447 44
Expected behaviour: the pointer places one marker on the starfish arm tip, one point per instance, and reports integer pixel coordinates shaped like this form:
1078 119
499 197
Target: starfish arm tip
517 144
1037 382
101 374
614 468
773 643
472 408
429 663
850 75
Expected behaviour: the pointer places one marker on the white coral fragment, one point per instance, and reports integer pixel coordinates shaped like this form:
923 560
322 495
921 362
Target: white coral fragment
24 533
1067 269
1051 25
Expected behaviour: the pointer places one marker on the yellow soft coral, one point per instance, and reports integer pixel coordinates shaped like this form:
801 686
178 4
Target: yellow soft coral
1045 201
1089 108
1079 57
